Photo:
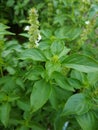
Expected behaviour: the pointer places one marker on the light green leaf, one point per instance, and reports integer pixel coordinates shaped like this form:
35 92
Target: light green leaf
5 113
33 54
40 94
3 27
88 121
74 83
64 52
47 33
24 35
10 70
68 32
77 104
34 73
92 78
52 66
56 47
79 76
48 54
81 63
60 19
44 45
6 33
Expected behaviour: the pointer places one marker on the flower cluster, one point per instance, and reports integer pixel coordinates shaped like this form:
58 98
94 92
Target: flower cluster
89 25
33 29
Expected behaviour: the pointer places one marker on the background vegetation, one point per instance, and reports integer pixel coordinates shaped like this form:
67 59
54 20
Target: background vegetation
49 65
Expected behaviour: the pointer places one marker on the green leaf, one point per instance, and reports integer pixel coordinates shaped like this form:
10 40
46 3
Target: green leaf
52 66
47 33
44 45
3 27
77 104
68 32
60 19
10 70
2 96
6 33
35 73
56 47
58 95
12 98
10 3
62 81
23 105
40 94
88 121
92 78
81 63
24 35
36 127
74 83
32 54
53 98
64 52
48 54
79 76
5 113
20 83
23 128
8 83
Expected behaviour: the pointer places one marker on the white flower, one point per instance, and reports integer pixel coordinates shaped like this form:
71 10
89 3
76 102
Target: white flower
39 37
37 41
87 22
27 28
